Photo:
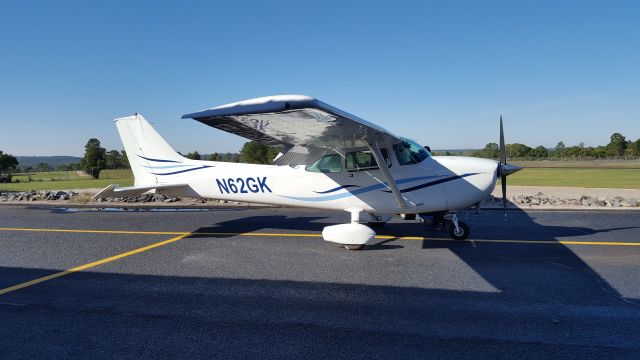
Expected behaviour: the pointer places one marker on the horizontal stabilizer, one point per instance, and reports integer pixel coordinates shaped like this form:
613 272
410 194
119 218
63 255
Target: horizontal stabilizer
114 190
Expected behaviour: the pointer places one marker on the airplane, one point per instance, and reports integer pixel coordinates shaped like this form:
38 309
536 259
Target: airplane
329 160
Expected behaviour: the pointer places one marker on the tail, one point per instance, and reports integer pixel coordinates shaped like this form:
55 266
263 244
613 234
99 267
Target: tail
145 149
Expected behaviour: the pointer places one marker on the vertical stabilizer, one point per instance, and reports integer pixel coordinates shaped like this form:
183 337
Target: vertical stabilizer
145 148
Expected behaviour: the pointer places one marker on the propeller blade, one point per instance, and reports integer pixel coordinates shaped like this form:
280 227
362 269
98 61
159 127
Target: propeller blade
503 151
503 181
504 169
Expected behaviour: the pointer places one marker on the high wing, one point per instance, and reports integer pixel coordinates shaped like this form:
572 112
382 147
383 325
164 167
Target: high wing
306 127
293 121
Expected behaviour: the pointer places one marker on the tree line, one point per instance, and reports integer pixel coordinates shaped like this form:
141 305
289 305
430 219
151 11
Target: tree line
97 158
252 152
618 147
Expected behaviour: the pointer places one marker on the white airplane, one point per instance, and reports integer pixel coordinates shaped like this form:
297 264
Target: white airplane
329 161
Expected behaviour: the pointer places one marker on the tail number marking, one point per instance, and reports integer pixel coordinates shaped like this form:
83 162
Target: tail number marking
243 185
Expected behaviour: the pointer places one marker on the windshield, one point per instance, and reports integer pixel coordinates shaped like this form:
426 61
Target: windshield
409 152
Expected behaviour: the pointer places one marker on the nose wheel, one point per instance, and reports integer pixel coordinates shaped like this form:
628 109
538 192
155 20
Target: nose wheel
457 230
461 233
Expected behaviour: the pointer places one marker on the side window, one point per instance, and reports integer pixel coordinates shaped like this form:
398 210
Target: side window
331 163
364 160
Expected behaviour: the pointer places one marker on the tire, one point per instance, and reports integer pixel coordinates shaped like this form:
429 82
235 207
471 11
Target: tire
353 247
464 228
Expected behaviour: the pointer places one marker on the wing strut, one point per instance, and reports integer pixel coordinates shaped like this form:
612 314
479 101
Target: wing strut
391 182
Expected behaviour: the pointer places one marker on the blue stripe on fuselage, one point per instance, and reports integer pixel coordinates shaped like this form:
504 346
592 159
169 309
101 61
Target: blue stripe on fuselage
183 171
158 160
357 191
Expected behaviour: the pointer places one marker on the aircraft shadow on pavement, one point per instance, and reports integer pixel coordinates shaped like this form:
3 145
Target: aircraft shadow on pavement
282 223
530 265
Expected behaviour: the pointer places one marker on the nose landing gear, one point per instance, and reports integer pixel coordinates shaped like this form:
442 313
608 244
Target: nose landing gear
448 221
458 230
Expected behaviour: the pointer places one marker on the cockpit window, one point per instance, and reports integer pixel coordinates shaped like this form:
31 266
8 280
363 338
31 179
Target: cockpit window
330 163
409 152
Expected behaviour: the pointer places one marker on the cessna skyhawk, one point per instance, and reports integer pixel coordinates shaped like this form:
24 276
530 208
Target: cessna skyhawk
330 160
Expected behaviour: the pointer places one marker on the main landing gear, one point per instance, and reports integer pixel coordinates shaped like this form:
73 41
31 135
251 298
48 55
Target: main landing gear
352 236
449 222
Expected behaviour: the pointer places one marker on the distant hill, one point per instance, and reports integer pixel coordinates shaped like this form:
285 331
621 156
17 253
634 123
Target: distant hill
53 161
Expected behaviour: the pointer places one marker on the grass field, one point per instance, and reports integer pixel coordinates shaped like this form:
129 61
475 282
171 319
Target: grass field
587 164
578 177
57 180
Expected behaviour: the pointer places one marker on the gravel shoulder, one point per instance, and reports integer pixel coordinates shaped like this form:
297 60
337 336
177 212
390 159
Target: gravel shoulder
567 192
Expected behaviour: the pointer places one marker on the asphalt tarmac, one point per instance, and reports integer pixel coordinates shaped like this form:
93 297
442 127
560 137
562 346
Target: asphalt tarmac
263 284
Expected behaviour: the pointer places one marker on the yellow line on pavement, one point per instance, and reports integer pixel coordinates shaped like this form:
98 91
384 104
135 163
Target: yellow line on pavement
90 265
97 231
548 242
381 237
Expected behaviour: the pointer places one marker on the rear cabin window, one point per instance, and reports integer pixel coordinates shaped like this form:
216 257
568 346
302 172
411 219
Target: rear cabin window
331 163
364 160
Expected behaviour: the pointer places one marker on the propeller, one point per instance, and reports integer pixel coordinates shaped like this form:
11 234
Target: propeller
504 169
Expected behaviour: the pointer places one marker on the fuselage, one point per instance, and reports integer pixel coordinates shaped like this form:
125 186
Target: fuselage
437 183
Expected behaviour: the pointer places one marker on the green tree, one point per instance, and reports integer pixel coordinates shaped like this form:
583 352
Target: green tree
540 152
617 145
600 152
490 151
635 148
113 160
573 151
517 150
193 155
253 152
8 162
559 150
215 157
587 152
94 158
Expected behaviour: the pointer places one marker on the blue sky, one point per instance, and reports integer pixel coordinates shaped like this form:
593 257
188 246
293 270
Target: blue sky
440 72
